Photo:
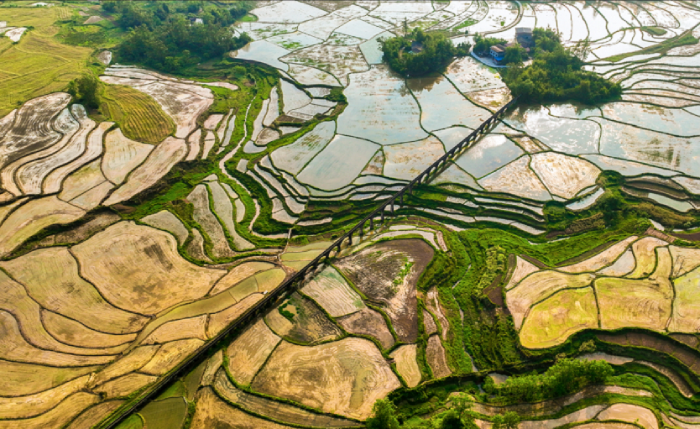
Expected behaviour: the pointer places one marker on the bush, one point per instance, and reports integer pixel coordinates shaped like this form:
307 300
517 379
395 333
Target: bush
384 416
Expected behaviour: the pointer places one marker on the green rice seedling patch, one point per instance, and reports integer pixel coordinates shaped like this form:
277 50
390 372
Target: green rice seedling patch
138 115
165 414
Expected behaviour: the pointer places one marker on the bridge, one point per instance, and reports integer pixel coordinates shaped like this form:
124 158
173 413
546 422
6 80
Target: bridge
364 226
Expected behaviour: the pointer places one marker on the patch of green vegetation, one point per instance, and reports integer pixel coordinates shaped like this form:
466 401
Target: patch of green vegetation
468 23
654 31
249 18
419 53
566 376
556 74
683 39
138 115
287 314
403 273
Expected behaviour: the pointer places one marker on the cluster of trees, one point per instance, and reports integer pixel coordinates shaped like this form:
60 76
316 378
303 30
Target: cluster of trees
566 376
168 40
556 75
436 51
458 416
84 90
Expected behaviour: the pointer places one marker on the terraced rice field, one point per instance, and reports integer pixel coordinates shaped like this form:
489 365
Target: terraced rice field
111 276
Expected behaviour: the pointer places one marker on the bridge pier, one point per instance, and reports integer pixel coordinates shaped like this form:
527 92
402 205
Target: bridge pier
350 239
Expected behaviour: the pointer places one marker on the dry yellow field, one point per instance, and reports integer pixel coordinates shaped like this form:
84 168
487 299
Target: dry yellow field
113 259
555 319
250 351
345 377
406 365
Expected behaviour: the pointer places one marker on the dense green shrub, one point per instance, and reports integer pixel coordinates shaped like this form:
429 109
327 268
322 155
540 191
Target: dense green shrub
436 52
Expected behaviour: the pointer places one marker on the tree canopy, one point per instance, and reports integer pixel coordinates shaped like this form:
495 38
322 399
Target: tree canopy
556 74
434 52
170 40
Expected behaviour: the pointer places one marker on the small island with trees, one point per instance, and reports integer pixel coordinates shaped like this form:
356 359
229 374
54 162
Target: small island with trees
419 53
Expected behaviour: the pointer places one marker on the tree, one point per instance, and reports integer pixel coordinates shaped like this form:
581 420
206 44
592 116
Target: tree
84 90
384 416
509 420
514 55
436 52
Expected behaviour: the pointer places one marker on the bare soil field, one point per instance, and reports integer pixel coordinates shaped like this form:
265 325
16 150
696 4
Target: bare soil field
213 412
309 325
388 273
250 351
405 358
368 322
435 355
112 259
344 377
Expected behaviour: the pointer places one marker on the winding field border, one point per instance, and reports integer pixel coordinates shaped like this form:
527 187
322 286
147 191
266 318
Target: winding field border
290 285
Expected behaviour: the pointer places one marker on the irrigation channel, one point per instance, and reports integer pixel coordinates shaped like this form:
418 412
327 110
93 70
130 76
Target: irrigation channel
300 277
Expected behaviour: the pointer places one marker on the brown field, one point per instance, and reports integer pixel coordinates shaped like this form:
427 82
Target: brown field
250 350
602 259
199 197
630 413
555 319
378 272
435 355
19 379
93 415
539 286
134 360
368 322
220 320
238 274
644 253
122 155
212 412
429 323
28 314
31 218
310 325
158 164
345 377
169 355
125 385
684 260
14 347
168 222
178 330
56 417
522 269
76 334
92 198
113 259
141 118
82 180
279 411
330 290
196 247
23 407
432 303
213 365
406 365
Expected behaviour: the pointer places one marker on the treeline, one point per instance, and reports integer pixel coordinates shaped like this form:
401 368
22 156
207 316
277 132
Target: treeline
170 39
556 75
563 378
435 52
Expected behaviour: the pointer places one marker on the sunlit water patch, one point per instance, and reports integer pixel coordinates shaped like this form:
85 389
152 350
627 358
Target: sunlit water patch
380 108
